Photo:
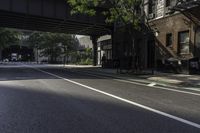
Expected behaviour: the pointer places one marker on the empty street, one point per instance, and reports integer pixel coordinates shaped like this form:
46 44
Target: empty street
55 100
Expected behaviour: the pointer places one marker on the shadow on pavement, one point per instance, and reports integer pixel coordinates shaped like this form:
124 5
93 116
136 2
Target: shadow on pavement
33 110
25 73
181 80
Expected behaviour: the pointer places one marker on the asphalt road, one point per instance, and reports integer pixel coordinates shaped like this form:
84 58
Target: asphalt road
60 101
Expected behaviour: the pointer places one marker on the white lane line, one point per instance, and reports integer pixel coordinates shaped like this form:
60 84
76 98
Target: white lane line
159 87
151 84
193 89
127 101
143 84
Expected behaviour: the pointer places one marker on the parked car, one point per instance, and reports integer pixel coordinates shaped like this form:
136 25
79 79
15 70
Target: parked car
14 57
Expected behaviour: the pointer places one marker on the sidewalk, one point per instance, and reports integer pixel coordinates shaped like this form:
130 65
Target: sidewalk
162 79
180 81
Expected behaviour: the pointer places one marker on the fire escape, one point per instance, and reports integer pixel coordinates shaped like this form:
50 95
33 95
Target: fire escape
189 8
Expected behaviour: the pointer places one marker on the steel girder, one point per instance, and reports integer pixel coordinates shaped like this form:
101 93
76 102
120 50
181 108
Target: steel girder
49 15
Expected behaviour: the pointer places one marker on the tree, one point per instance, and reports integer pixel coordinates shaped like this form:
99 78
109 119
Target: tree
53 44
125 13
8 36
68 43
35 39
121 11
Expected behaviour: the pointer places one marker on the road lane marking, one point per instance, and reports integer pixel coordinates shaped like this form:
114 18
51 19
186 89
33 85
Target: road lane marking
151 84
159 87
143 84
193 89
125 100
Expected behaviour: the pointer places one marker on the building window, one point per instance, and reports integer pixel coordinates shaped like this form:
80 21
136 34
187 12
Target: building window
184 42
151 6
169 40
168 3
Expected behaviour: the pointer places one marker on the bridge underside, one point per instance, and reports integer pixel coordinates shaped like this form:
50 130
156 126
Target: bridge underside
49 15
31 22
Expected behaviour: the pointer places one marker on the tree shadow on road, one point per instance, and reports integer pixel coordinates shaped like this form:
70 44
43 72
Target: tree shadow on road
39 110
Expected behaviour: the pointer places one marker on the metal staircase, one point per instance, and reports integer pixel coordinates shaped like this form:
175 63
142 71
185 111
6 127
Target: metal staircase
167 52
189 8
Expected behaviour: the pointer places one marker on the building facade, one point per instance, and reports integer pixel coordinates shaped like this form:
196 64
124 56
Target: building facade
130 49
105 48
177 37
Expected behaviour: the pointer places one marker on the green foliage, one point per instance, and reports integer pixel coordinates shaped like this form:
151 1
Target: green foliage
121 11
53 44
35 39
8 36
84 6
84 57
87 61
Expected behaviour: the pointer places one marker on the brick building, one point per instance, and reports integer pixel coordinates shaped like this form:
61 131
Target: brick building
177 32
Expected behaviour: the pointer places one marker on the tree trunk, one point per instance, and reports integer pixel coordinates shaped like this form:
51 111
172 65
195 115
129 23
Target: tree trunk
135 50
51 58
67 57
37 56
0 54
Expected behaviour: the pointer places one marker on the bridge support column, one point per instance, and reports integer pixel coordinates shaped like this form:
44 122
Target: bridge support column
94 42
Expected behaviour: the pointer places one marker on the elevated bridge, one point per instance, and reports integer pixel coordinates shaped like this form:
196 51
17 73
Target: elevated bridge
51 16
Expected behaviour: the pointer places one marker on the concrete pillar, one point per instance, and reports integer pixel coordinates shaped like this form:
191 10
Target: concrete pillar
94 42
